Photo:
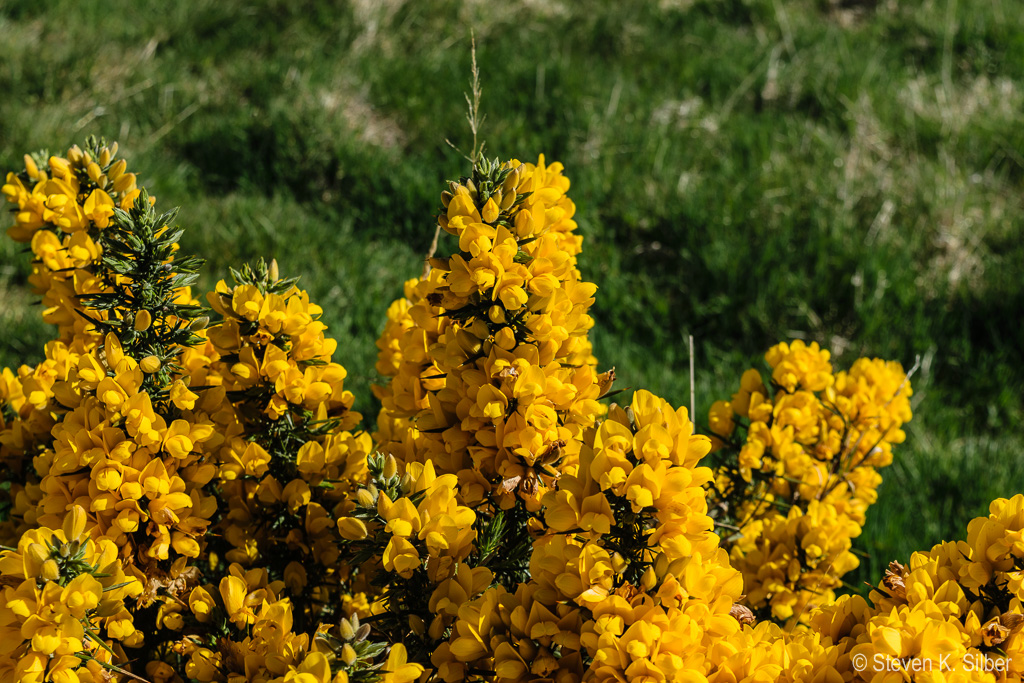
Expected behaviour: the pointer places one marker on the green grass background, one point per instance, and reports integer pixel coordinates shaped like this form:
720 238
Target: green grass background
745 171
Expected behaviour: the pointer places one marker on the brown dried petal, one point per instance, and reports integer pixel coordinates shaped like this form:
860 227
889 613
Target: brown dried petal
994 633
1011 620
742 614
894 580
553 453
605 381
509 372
529 483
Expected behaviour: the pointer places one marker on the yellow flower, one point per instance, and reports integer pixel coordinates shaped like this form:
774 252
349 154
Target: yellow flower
247 301
182 397
99 208
201 603
352 528
811 450
401 557
398 669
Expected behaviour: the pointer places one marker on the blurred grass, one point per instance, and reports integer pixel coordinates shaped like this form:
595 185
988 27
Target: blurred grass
745 171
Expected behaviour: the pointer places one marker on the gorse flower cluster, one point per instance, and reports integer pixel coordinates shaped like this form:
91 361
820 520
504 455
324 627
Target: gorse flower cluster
626 579
956 610
492 375
288 457
190 497
61 589
191 460
796 467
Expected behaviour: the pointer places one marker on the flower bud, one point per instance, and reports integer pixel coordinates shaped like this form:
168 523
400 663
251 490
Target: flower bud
143 319
437 627
124 182
490 211
50 571
507 200
201 603
650 579
352 528
117 170
31 168
511 182
150 365
345 630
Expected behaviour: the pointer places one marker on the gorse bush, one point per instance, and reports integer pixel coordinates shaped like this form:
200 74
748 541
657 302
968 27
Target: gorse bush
797 469
189 496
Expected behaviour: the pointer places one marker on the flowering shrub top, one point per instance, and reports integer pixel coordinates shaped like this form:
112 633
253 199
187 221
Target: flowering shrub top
148 428
797 470
491 372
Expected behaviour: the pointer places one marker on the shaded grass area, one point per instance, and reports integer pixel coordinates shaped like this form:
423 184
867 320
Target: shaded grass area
744 171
